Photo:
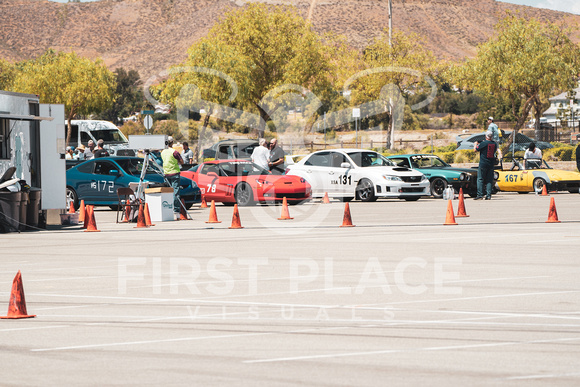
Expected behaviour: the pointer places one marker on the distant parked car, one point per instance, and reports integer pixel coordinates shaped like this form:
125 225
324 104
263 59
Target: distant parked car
439 173
522 141
231 149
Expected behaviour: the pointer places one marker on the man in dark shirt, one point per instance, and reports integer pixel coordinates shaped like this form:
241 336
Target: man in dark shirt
100 152
578 157
277 155
486 151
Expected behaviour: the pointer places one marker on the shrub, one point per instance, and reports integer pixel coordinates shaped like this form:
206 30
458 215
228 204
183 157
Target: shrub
465 156
448 157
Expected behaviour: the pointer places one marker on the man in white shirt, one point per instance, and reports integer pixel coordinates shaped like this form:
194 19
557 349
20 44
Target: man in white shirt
261 154
532 157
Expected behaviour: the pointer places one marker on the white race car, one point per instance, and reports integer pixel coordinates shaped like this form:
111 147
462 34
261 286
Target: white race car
364 174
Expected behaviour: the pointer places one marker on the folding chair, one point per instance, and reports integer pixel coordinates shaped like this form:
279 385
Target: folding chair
127 199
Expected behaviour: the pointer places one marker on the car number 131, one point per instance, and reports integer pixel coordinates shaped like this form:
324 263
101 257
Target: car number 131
343 180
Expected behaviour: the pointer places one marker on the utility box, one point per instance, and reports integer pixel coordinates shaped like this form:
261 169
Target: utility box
160 202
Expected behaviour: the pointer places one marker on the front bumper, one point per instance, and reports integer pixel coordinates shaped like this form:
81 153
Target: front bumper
402 189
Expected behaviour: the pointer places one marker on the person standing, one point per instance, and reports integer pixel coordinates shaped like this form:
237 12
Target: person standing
492 127
101 152
277 155
90 150
171 162
578 157
187 154
486 151
532 157
261 154
69 153
81 155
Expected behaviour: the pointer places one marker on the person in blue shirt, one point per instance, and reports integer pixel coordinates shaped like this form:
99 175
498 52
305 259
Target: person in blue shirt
492 127
487 150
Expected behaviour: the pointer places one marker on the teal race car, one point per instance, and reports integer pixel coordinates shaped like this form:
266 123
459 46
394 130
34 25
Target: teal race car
439 173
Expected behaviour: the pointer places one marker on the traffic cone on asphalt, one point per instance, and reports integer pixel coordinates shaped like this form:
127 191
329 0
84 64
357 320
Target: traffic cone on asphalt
346 220
82 214
147 215
461 206
71 209
285 212
183 215
92 225
212 214
127 214
449 219
552 215
544 190
17 305
203 203
236 218
87 216
141 218
325 199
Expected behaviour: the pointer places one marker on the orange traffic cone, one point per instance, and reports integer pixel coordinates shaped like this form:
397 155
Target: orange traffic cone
346 220
544 190
212 214
183 215
203 203
82 214
127 214
147 216
285 213
71 209
325 198
87 216
92 225
141 218
236 218
450 219
17 305
552 215
461 206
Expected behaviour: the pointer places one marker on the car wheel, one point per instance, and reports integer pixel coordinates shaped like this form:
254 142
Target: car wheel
71 197
365 191
244 195
188 205
438 186
539 184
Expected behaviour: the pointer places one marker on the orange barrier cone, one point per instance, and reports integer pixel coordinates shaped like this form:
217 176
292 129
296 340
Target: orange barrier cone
17 305
127 214
285 212
346 220
461 206
449 219
92 225
82 214
236 218
203 203
183 215
212 214
544 190
147 216
141 218
552 215
87 216
71 209
325 199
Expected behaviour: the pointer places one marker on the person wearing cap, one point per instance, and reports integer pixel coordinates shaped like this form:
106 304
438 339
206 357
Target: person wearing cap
171 162
81 155
492 127
487 150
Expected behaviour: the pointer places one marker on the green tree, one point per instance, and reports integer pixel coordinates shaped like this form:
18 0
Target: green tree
524 62
129 99
84 86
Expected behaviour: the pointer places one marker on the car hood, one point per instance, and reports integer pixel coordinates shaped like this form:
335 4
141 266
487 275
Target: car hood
395 171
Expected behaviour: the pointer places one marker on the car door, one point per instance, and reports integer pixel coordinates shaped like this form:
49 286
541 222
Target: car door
106 179
316 170
341 178
208 180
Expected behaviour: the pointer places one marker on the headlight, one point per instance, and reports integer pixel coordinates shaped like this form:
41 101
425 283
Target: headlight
462 177
423 178
392 178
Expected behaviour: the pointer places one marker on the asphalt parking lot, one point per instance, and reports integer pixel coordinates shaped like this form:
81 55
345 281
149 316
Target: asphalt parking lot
399 299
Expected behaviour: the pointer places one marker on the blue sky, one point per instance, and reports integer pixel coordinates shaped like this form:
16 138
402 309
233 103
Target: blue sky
572 6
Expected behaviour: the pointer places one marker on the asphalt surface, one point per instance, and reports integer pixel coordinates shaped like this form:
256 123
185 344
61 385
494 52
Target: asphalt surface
399 299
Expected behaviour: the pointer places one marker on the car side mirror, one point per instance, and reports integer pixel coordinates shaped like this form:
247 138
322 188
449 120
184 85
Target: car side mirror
345 165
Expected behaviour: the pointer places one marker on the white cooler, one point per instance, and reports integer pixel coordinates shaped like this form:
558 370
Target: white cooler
160 202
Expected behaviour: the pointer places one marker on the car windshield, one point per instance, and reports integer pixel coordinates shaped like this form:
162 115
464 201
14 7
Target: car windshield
242 168
135 166
427 162
109 136
370 159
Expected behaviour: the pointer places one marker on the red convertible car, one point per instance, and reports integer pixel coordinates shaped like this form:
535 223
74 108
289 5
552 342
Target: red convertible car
245 183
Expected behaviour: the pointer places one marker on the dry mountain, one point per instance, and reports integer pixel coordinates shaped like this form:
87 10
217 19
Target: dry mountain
151 35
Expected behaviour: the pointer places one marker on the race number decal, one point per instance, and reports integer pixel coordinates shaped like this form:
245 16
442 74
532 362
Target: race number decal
342 180
211 188
103 186
511 178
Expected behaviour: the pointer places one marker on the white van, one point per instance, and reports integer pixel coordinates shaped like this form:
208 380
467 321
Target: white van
115 141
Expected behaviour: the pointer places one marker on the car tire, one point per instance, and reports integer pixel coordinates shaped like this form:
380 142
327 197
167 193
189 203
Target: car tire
438 186
244 195
365 191
71 196
538 184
